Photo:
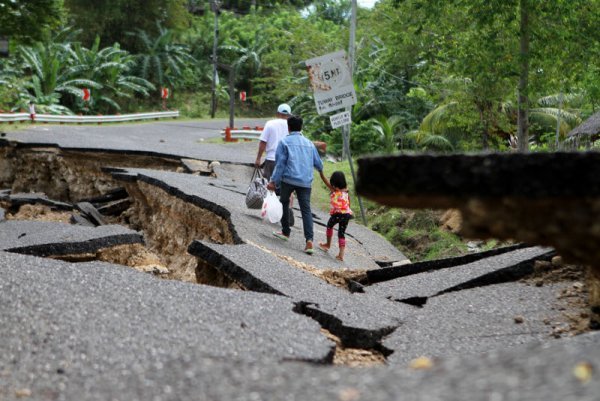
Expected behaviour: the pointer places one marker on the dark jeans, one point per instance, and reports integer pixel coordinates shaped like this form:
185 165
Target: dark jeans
303 195
267 169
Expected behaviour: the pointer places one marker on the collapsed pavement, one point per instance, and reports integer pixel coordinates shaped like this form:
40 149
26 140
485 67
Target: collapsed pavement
550 199
198 229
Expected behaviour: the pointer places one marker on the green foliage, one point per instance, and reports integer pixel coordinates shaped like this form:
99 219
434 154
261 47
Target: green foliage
111 19
269 50
337 11
29 20
51 75
364 139
389 132
10 81
448 72
245 6
160 60
416 233
54 73
477 43
111 68
591 85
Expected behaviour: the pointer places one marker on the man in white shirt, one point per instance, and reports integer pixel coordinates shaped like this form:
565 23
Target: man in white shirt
272 133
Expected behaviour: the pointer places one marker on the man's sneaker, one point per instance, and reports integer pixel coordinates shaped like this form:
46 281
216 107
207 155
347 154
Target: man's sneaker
281 235
309 248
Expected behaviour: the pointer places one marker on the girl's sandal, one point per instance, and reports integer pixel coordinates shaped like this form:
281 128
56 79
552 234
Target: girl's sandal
323 247
340 259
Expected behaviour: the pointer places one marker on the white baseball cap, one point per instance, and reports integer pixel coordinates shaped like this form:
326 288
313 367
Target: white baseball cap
284 108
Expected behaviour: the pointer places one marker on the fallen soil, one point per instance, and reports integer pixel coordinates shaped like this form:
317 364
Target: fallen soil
39 213
170 225
354 357
573 302
339 277
68 175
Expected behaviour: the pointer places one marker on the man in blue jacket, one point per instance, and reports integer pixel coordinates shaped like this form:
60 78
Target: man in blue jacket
295 159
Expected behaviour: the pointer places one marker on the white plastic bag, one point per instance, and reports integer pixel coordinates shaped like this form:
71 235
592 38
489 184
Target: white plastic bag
272 209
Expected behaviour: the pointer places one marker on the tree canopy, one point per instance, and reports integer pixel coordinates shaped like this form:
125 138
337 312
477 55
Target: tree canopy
112 19
29 20
456 75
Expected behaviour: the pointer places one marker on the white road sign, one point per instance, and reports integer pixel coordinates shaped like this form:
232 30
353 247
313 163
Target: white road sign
331 82
340 119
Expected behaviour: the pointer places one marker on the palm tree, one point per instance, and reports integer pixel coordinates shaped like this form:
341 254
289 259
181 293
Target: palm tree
387 127
543 119
427 141
549 114
560 110
435 132
249 54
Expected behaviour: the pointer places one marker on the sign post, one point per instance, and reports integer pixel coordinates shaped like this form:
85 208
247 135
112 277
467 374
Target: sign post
164 94
340 119
333 89
346 128
32 111
86 94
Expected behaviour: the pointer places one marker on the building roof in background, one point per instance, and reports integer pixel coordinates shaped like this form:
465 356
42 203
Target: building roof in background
591 127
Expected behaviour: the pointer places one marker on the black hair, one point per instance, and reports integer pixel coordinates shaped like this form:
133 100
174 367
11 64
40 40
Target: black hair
338 180
294 123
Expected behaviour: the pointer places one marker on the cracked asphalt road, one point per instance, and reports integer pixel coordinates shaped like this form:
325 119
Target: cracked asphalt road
96 331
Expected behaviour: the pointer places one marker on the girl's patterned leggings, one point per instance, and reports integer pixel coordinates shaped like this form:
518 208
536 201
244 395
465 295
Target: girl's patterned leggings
342 219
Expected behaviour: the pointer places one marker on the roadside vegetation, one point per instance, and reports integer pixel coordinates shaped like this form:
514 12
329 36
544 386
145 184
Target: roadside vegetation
429 76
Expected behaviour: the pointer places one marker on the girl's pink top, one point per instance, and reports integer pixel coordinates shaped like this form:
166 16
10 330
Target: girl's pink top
340 202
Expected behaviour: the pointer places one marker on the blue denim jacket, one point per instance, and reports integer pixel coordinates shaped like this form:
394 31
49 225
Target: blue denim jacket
295 159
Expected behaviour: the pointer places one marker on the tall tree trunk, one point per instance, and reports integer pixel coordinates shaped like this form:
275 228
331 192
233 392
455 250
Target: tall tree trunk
484 124
560 106
231 82
250 101
523 114
213 104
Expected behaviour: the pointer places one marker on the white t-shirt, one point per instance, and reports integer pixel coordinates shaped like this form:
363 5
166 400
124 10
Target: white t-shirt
272 133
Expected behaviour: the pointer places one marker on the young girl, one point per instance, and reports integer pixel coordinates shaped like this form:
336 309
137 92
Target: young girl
340 211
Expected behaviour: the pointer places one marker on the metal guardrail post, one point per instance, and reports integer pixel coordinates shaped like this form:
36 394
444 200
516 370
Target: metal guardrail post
233 134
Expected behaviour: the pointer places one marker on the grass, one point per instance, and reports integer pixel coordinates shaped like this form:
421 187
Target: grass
320 193
5 127
416 233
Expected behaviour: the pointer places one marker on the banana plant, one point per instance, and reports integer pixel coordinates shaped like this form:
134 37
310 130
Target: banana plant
160 60
32 92
51 73
111 67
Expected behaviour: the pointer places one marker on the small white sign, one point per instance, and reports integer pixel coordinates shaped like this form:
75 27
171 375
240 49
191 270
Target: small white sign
340 119
331 81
